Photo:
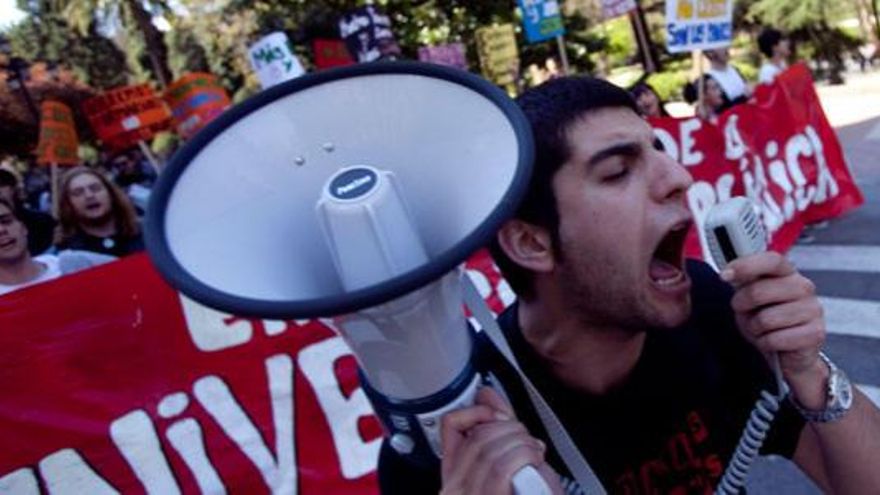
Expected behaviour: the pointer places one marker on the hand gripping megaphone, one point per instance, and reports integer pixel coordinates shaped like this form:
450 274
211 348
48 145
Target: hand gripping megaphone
354 193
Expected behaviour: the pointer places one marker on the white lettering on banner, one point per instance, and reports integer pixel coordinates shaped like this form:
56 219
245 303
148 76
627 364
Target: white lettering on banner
278 472
734 147
826 185
690 157
484 288
186 438
66 472
755 183
21 482
136 439
209 329
213 330
668 142
779 175
799 146
356 457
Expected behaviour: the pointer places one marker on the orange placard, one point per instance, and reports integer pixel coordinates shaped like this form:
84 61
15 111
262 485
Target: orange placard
195 100
123 116
58 141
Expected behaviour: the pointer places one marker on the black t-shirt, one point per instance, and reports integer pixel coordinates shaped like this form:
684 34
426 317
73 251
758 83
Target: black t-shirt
671 428
41 230
115 245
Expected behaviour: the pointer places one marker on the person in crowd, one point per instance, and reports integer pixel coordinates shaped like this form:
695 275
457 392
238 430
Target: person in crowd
776 48
648 101
133 173
18 269
734 85
40 226
95 215
714 102
651 362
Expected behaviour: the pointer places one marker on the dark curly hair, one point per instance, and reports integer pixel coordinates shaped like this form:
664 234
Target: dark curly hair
552 109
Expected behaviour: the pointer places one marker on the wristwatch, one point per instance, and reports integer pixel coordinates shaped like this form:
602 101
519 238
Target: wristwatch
839 395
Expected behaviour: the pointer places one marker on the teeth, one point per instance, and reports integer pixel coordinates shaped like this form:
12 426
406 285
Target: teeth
670 281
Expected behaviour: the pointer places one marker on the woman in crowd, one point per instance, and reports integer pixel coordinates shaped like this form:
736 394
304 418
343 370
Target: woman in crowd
714 102
95 215
648 101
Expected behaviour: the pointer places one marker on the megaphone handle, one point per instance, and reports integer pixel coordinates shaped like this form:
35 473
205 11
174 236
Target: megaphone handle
527 481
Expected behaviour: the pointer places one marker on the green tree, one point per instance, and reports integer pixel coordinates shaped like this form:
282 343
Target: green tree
809 21
45 36
134 15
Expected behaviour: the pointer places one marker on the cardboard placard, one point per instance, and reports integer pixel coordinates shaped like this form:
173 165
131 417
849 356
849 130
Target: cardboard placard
195 99
58 140
124 116
698 24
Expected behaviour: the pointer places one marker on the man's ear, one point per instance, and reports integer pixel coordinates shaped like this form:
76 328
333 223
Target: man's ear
527 245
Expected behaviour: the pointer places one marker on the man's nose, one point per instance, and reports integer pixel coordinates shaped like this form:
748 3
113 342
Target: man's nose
672 179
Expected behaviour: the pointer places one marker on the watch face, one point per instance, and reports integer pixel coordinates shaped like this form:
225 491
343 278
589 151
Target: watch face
846 395
841 391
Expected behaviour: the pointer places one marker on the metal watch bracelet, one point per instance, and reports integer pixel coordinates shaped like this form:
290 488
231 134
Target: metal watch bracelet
839 396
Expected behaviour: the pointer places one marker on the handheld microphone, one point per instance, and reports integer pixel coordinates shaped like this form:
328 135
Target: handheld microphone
733 229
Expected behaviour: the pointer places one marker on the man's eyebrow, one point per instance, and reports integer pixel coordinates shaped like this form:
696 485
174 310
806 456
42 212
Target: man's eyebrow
621 149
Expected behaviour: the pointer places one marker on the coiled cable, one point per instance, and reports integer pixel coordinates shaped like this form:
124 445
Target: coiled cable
753 436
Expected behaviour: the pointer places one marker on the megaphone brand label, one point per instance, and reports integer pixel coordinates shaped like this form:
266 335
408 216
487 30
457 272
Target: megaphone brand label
353 183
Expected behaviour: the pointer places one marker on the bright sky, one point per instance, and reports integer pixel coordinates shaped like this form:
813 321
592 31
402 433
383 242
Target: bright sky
9 14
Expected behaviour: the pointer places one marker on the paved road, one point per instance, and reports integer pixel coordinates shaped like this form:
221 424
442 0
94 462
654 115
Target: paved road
844 261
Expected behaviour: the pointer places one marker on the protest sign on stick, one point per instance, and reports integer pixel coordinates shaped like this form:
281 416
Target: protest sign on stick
58 144
367 33
698 24
331 53
617 8
195 99
542 21
499 56
273 60
451 55
123 116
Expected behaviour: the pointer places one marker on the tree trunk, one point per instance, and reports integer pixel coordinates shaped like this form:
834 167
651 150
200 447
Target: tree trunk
876 18
647 50
155 45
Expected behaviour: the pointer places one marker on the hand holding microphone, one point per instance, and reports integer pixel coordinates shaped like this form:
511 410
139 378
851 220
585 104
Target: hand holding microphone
778 311
485 447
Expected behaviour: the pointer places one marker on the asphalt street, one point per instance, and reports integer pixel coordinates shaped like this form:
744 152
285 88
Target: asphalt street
843 259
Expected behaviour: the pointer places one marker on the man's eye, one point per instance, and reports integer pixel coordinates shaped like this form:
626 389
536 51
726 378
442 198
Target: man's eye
658 145
615 173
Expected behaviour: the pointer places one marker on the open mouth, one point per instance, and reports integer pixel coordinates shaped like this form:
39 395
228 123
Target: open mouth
7 243
667 263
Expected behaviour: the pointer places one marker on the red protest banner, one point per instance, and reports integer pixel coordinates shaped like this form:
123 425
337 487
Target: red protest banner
123 116
195 100
778 150
114 381
58 140
111 380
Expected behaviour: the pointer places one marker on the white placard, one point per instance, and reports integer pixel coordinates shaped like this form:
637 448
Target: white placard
698 24
273 61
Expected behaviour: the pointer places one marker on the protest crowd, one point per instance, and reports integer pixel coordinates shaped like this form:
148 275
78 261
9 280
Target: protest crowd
73 266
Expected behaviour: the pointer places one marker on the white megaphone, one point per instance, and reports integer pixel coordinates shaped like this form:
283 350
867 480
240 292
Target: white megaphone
353 193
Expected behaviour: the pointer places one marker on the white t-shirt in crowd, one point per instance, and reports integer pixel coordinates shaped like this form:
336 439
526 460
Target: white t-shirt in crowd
769 71
63 263
731 82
